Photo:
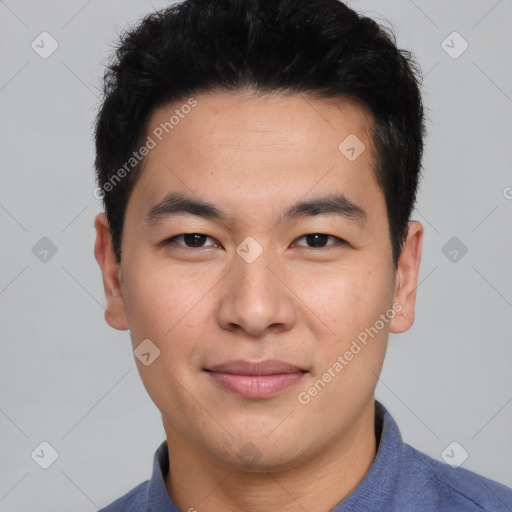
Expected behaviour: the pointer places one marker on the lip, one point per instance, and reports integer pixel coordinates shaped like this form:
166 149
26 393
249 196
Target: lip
266 367
262 379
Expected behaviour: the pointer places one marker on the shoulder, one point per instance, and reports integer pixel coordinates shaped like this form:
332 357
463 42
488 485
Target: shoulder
454 488
130 502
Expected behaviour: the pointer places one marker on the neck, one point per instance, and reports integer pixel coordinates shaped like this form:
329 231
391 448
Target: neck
196 481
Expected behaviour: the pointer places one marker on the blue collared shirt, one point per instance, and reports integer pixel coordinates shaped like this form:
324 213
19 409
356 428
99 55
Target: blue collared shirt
401 479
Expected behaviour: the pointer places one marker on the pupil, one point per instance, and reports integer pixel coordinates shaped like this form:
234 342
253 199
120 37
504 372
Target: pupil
194 239
317 239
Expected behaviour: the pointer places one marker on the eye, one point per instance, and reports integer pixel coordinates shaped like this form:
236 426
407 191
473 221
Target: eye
319 240
191 240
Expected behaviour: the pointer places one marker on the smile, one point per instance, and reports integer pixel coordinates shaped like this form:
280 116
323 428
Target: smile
255 380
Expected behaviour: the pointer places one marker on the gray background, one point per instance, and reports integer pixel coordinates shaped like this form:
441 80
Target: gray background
68 379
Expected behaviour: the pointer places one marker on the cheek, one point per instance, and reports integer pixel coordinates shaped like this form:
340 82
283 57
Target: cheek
155 300
347 298
166 309
351 303
352 357
171 308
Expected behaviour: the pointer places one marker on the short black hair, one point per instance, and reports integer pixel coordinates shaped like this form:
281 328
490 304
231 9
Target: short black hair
319 47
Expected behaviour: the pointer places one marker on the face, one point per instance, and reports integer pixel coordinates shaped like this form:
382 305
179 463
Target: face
256 259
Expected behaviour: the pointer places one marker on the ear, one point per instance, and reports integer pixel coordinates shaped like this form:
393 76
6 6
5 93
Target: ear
406 279
115 314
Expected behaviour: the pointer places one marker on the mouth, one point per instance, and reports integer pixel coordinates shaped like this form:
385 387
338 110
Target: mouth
262 379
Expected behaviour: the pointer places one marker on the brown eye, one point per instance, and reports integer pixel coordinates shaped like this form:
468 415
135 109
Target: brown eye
192 240
318 240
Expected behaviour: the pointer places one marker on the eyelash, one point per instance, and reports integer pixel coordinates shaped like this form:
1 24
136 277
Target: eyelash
338 241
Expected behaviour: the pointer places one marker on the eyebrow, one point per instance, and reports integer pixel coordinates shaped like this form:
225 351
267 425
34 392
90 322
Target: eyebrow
332 204
176 204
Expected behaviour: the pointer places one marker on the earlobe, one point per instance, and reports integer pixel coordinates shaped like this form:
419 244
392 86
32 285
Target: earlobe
115 314
407 278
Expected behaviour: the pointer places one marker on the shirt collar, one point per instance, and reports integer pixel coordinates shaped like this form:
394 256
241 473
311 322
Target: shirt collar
372 494
380 484
158 499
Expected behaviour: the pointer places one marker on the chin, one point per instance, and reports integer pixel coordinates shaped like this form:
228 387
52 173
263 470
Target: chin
267 464
262 456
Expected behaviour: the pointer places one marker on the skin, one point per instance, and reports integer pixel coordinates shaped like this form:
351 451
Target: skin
254 156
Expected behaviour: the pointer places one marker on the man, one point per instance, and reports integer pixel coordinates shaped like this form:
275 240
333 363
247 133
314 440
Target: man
259 162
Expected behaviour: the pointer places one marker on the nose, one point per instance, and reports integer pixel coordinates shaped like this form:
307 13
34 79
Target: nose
254 301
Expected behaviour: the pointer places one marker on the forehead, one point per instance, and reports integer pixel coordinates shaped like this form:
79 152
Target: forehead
290 123
270 149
